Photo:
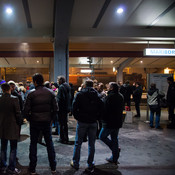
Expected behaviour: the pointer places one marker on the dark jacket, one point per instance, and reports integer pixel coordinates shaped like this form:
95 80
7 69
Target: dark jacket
113 105
15 93
171 94
87 105
64 98
10 117
137 94
126 91
41 105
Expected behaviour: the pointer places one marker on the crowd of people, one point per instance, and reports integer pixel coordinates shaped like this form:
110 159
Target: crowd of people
99 114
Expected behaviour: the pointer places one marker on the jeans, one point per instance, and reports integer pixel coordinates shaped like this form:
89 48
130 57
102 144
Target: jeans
13 152
35 129
82 129
152 112
62 117
111 143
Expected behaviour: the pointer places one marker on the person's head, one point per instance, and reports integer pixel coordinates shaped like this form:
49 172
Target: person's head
5 88
153 86
113 86
12 85
20 84
89 83
170 80
100 87
38 79
47 84
137 84
61 80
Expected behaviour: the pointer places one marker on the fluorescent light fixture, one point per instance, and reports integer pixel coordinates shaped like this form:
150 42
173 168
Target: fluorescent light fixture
159 52
9 10
85 71
120 10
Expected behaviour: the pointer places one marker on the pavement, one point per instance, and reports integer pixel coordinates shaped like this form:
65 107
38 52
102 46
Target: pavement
144 151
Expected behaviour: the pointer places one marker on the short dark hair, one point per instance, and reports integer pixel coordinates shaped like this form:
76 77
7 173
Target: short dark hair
5 87
89 83
62 79
170 79
114 86
153 85
38 78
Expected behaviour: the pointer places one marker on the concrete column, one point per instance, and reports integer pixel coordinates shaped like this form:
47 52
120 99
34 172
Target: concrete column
63 15
121 67
51 68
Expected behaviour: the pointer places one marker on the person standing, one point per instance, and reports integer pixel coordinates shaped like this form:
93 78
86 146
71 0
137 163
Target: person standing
137 94
10 121
87 107
40 108
154 105
64 103
112 121
171 102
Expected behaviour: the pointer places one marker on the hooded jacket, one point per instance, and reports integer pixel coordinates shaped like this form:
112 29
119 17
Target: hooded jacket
87 105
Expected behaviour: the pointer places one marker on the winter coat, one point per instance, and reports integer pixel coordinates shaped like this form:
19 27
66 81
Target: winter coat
171 94
41 105
87 105
64 98
126 91
113 105
137 94
10 117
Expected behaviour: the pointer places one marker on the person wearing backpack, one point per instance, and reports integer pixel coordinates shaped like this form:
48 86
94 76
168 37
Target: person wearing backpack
154 105
171 102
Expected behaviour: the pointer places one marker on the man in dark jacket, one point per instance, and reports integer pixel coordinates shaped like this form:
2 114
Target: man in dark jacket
137 94
112 121
64 103
126 91
40 108
10 119
171 102
87 107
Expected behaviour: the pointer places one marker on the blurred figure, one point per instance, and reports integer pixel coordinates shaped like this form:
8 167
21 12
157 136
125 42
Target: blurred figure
126 91
171 102
72 91
137 94
154 105
54 87
47 84
10 121
63 98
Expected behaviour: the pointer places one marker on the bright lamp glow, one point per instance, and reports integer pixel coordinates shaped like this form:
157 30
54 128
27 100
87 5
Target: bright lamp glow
9 10
85 71
166 71
119 10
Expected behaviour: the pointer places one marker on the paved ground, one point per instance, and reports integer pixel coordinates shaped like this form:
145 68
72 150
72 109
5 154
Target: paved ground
144 151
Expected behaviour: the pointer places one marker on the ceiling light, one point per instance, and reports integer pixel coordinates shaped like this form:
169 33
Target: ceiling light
9 10
37 61
120 10
141 61
111 62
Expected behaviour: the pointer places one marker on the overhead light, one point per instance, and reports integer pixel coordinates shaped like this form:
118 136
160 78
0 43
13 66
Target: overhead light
166 71
9 10
120 10
111 62
37 61
141 61
85 71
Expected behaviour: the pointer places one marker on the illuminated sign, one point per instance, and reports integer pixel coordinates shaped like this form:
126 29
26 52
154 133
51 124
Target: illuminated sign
159 52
